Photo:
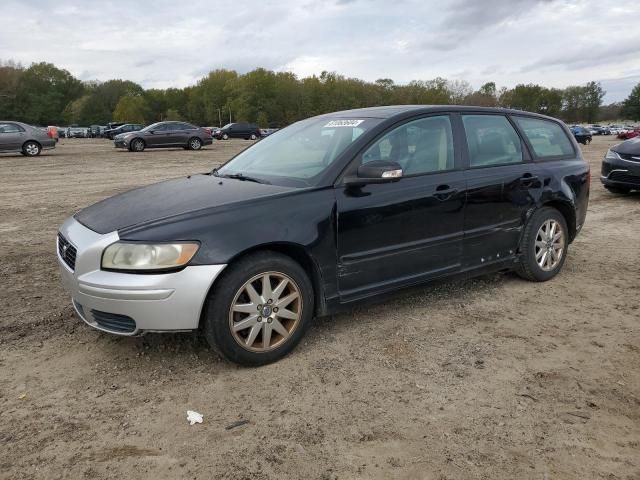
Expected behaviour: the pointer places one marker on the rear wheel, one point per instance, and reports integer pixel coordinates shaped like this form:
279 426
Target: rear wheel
253 136
31 149
137 145
618 190
195 143
259 310
544 245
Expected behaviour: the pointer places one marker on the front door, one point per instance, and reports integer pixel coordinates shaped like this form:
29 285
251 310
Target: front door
408 231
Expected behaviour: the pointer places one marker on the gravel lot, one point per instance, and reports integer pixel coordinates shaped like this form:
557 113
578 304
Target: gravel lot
493 378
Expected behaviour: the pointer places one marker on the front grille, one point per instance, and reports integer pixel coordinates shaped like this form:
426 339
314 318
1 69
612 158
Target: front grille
630 158
67 251
624 177
114 322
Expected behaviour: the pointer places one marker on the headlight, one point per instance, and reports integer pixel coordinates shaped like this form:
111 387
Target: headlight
611 155
142 256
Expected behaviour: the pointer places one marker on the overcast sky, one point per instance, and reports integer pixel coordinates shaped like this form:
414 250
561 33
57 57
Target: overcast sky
164 43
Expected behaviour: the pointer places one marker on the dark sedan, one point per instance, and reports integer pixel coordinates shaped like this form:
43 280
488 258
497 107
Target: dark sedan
126 128
165 135
23 138
582 135
621 167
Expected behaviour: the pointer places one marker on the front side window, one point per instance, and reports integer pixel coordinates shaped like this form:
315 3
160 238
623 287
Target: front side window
419 146
547 138
491 140
299 154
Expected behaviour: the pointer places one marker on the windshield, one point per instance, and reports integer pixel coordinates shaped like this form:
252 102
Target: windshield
299 154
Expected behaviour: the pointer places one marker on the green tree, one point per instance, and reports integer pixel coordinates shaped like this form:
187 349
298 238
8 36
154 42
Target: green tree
130 109
631 106
43 91
172 114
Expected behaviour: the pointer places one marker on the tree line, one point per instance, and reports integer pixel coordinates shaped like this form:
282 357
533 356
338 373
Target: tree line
43 94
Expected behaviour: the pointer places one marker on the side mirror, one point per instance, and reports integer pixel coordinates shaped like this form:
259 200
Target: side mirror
376 171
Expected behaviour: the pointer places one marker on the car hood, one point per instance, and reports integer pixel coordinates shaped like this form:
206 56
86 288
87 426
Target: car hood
629 147
171 198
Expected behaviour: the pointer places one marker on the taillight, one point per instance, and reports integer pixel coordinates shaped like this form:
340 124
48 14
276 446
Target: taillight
208 130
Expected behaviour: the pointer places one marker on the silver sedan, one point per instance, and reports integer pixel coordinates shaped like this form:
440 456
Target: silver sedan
23 138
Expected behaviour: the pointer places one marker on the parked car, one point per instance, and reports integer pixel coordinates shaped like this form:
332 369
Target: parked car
621 167
53 132
265 132
76 132
110 127
327 212
248 131
165 135
628 133
582 135
23 138
126 128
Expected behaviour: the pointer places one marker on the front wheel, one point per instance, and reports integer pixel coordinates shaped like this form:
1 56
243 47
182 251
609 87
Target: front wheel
225 136
31 149
259 309
137 145
544 245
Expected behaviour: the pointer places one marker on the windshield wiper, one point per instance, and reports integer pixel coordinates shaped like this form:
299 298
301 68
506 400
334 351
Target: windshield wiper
240 176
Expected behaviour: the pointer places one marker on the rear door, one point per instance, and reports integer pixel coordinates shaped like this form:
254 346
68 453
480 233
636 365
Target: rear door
502 185
174 134
396 234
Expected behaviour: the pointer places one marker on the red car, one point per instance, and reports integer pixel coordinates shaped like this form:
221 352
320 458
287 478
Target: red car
629 134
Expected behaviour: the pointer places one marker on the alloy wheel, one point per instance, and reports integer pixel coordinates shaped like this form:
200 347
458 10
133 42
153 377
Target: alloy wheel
265 311
195 144
549 245
32 149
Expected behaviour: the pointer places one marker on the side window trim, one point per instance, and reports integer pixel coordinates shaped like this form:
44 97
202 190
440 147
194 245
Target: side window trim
535 158
357 159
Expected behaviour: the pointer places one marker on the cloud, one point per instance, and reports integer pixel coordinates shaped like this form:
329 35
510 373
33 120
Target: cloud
556 43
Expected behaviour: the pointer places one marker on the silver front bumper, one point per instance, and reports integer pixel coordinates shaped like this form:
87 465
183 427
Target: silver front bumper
155 302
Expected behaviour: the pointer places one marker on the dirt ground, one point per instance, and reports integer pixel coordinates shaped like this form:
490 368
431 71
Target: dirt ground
492 378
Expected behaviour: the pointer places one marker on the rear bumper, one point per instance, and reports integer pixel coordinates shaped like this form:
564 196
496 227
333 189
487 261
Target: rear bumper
131 304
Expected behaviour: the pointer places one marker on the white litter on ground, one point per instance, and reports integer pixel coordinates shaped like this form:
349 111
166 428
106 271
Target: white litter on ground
194 417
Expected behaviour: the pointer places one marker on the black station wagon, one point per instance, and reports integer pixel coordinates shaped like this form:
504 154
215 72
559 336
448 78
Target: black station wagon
327 212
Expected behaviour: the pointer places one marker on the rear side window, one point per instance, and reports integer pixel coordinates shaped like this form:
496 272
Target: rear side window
547 138
491 140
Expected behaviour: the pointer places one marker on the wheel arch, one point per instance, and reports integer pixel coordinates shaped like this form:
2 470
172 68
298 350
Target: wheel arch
568 211
31 140
298 254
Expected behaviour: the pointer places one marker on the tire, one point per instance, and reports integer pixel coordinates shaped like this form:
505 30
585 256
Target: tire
253 136
618 190
537 264
225 136
195 143
249 346
137 145
31 149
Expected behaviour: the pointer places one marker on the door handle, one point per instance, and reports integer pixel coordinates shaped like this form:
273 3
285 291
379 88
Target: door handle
528 180
444 192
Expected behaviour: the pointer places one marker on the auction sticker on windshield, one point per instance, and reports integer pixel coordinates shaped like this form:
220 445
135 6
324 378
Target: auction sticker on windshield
343 123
